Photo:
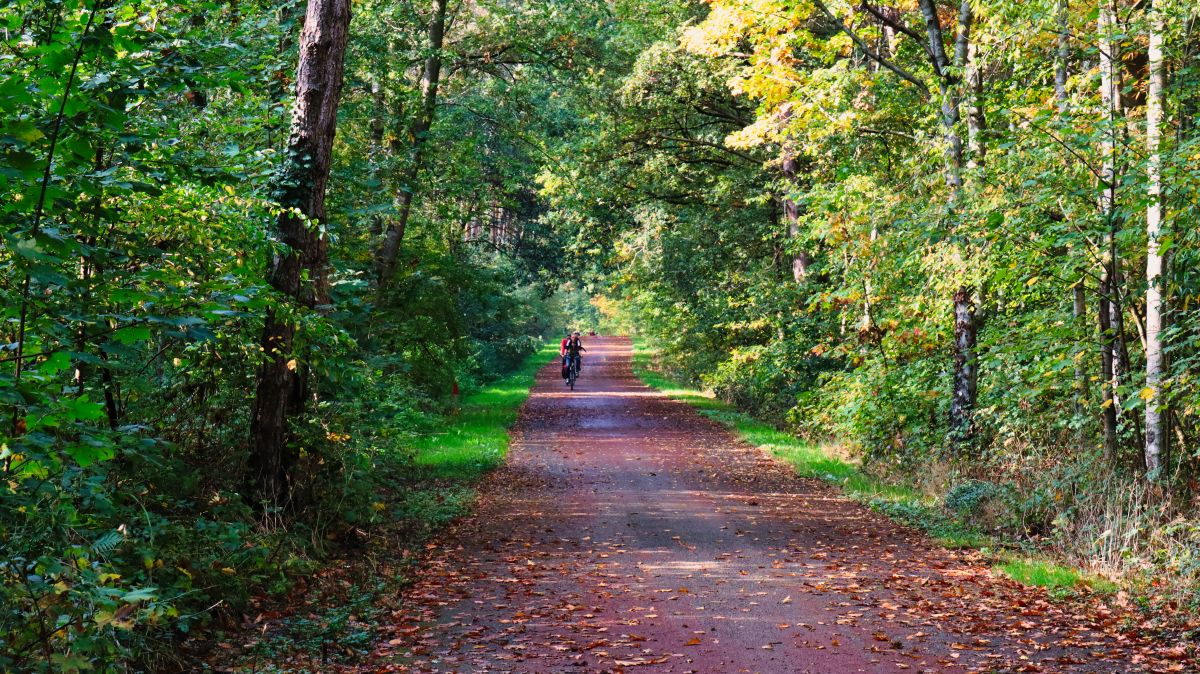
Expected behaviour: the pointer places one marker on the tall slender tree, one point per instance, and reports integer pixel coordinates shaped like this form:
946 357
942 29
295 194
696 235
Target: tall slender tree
1110 97
1155 436
951 87
431 77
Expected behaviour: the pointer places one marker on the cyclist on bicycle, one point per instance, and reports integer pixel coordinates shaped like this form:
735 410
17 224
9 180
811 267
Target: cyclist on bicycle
571 347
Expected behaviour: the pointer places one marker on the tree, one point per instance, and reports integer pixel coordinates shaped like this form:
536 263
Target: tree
1110 316
430 80
1156 436
298 272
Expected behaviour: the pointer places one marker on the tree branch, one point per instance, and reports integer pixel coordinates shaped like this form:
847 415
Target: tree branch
862 44
892 23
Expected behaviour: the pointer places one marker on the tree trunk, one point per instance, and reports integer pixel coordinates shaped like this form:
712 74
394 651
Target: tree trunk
965 379
430 79
1107 390
1079 312
962 403
299 272
377 151
1156 436
1110 95
791 213
973 79
1062 53
949 92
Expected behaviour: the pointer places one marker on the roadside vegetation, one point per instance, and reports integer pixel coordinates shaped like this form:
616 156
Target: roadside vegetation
945 517
333 617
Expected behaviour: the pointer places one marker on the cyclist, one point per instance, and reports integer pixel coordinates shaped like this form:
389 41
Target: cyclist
562 352
572 347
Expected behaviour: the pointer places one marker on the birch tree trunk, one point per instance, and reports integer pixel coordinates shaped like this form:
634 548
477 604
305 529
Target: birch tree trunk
966 375
1156 436
976 122
430 80
1110 96
300 271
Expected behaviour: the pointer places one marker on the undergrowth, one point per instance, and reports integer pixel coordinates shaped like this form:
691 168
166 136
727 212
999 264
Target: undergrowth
429 481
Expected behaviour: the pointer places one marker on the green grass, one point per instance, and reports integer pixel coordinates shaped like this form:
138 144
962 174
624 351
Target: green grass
1060 580
475 440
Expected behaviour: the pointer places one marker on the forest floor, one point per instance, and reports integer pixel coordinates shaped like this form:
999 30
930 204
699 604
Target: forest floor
628 531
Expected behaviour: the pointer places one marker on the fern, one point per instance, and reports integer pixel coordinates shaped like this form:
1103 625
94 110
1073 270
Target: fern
107 543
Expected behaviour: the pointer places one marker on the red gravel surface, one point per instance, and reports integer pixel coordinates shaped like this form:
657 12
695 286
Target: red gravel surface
629 533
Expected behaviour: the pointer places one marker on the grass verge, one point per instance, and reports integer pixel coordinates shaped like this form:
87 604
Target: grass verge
897 501
475 440
447 464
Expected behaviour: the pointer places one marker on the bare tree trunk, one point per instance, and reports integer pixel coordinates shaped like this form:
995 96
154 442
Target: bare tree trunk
791 213
1156 437
430 79
976 122
950 112
379 110
300 190
1110 95
965 376
962 403
1107 391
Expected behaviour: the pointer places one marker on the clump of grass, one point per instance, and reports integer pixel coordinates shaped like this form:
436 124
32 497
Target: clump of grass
1060 580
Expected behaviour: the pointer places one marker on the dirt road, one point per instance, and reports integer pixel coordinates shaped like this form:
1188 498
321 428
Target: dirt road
628 533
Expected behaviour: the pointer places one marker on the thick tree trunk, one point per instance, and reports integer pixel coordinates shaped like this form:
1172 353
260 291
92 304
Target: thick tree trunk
298 272
430 79
1156 436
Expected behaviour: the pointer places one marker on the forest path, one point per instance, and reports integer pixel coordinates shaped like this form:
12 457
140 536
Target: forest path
629 532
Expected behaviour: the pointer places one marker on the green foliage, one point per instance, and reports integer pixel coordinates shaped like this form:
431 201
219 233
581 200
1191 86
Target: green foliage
971 497
797 224
137 152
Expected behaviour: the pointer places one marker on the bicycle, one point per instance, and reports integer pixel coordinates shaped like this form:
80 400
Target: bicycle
572 371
